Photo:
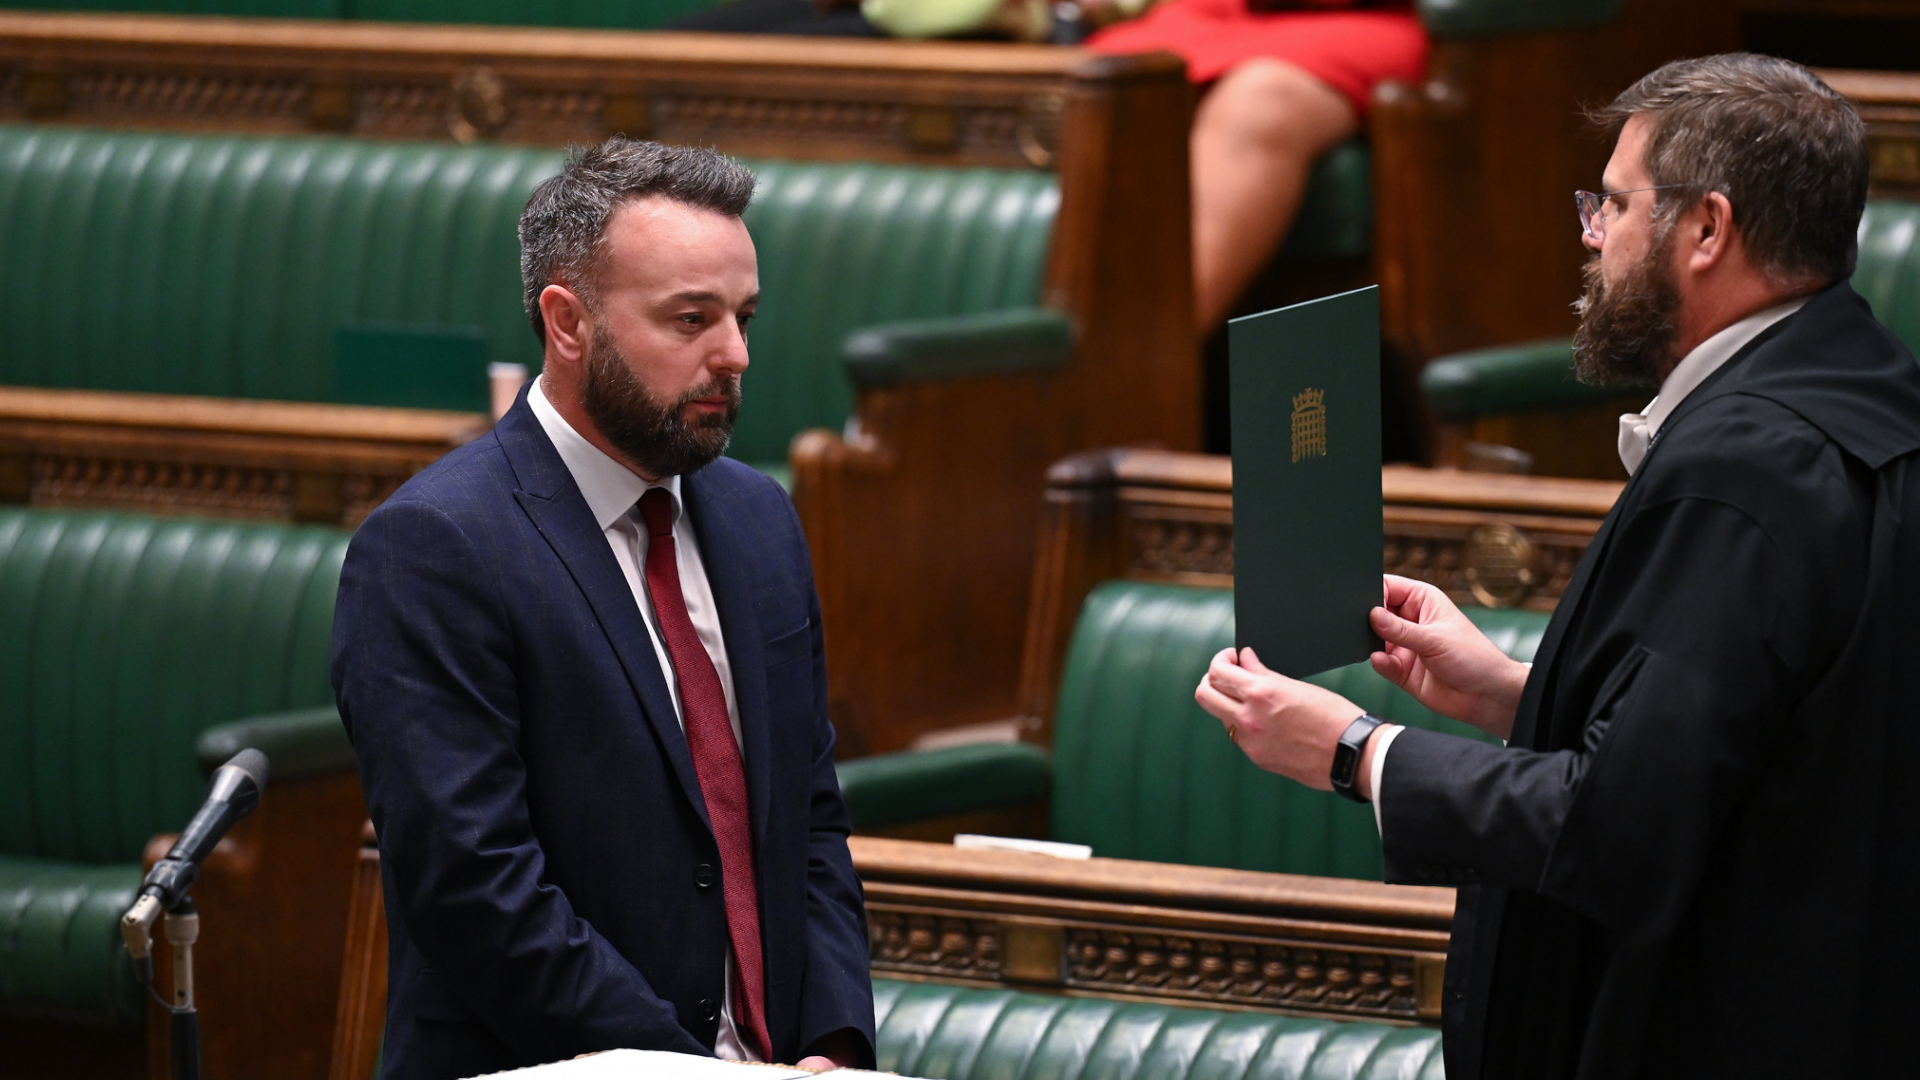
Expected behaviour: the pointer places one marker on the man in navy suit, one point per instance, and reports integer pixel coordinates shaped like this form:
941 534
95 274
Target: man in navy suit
580 660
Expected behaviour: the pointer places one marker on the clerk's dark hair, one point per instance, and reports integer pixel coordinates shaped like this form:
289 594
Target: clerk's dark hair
1788 152
564 227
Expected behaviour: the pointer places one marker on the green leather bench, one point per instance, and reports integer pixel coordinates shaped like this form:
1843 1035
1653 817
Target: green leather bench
123 640
239 266
953 1033
1469 386
1139 771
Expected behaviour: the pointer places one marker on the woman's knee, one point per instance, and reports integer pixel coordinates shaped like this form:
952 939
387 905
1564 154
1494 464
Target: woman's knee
1277 104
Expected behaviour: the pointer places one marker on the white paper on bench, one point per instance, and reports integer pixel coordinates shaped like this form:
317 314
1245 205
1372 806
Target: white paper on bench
1055 848
663 1065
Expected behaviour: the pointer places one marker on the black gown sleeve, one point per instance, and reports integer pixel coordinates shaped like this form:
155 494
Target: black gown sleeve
1723 596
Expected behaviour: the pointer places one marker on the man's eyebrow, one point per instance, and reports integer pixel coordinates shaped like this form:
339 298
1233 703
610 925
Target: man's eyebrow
702 296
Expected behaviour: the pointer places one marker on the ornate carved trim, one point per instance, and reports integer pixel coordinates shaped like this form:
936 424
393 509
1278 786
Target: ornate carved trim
157 453
1483 557
1194 935
868 100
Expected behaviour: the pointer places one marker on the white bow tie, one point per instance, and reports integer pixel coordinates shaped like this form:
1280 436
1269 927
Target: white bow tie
1634 440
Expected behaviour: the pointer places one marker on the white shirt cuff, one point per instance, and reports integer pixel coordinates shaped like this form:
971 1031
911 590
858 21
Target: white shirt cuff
1383 739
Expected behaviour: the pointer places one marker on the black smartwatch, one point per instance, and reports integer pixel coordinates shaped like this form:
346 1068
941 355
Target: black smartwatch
1346 756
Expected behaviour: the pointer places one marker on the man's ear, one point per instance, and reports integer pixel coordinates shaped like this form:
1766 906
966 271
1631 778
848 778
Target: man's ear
568 324
1707 232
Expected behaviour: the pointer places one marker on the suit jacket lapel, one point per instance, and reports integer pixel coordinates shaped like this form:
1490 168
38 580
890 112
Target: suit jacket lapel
724 551
553 502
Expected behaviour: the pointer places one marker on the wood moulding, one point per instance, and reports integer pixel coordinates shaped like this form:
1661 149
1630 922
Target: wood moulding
1189 935
161 453
1889 102
929 102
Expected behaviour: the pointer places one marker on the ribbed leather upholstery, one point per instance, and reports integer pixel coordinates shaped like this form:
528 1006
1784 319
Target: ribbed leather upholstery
122 637
1141 772
60 948
846 246
951 1033
1888 273
223 265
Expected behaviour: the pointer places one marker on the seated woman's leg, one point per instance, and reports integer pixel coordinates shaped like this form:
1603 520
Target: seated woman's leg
1255 138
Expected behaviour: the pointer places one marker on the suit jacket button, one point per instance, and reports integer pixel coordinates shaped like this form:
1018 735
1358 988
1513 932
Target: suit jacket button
709 1010
703 875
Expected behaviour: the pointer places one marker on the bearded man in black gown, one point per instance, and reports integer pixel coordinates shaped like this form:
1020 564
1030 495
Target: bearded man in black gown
1698 854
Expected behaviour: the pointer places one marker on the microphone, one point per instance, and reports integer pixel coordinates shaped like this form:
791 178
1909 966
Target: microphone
232 795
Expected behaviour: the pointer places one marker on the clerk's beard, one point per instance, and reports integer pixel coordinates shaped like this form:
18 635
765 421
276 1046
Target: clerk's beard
651 433
1628 329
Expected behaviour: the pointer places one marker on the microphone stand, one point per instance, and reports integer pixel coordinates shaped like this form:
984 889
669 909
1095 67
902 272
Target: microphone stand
183 929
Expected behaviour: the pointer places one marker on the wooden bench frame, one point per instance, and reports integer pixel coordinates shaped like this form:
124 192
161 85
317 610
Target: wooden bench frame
158 453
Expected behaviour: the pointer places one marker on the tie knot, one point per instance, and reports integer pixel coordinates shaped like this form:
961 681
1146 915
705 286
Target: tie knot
656 509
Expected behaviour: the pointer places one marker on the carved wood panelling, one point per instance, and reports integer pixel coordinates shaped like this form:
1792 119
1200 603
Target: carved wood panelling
1103 959
1488 557
1244 971
862 100
164 454
1135 930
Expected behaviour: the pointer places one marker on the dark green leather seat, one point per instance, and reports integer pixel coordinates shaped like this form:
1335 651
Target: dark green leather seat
1139 771
1539 375
123 638
952 1033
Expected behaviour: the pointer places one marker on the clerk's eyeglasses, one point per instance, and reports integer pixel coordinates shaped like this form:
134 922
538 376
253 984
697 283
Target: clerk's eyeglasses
1593 208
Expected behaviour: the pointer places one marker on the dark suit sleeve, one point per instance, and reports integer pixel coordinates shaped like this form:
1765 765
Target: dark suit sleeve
838 990
424 669
1715 619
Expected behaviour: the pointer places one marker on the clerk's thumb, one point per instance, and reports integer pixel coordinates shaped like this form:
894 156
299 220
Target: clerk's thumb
1411 635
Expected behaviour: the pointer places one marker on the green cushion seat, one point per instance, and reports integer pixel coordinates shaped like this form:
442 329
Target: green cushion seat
122 638
955 1033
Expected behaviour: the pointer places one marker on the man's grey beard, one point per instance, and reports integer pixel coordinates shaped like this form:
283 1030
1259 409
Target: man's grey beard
1628 330
652 434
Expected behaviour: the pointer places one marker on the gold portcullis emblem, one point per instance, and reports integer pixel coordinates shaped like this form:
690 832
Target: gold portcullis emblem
1309 424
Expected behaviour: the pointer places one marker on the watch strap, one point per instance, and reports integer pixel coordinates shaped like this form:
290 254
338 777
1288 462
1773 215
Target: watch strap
1346 756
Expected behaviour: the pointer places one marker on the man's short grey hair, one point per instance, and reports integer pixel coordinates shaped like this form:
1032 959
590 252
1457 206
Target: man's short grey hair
563 229
1788 152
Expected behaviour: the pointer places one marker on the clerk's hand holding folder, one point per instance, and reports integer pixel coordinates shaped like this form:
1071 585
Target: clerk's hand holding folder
1307 547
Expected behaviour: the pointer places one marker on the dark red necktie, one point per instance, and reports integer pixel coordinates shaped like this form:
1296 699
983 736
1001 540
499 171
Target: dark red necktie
716 760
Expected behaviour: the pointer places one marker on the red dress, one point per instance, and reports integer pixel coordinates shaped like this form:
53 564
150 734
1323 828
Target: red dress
1350 50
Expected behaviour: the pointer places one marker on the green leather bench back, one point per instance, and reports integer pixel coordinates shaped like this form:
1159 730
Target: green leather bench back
951 1033
1141 772
1888 273
225 265
122 637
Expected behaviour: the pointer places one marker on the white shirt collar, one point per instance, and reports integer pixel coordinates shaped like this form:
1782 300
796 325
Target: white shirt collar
1638 430
611 489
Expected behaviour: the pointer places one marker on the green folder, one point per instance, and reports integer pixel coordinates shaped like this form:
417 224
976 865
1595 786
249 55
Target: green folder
1306 481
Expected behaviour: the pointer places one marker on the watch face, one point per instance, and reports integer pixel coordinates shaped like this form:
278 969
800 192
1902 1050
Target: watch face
1345 758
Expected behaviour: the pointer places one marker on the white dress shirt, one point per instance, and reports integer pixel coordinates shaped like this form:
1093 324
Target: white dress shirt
1638 430
1637 433
612 492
